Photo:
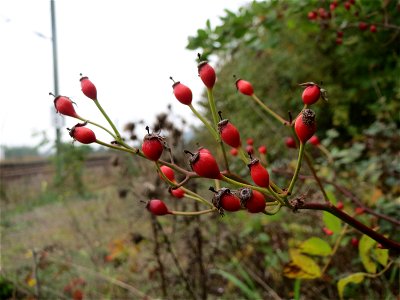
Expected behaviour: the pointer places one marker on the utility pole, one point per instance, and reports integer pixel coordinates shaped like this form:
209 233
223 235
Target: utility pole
57 120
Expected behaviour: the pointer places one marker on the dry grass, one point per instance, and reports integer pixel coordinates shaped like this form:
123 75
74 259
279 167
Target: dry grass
78 233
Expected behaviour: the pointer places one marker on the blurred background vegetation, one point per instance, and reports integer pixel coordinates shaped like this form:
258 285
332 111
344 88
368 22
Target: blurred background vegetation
85 234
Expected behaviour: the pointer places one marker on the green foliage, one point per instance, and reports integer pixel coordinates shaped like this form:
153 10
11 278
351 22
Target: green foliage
315 246
18 152
243 287
273 45
331 222
6 288
352 278
72 159
301 266
365 247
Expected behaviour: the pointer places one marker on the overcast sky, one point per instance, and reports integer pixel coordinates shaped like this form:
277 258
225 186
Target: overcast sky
127 48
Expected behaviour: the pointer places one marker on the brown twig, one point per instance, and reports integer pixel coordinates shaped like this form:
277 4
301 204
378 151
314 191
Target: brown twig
97 274
199 257
348 194
158 256
328 207
175 259
314 173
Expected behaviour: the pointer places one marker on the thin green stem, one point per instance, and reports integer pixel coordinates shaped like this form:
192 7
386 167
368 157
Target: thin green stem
380 273
270 111
296 292
326 152
272 203
243 155
275 187
206 123
282 201
274 211
196 196
118 136
335 247
314 173
117 148
121 142
98 125
237 183
193 213
197 199
221 144
211 102
297 170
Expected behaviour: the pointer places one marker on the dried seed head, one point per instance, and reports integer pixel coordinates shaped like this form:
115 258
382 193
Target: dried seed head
308 117
244 195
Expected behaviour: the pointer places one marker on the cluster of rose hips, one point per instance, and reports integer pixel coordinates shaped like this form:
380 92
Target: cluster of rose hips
250 148
254 197
322 15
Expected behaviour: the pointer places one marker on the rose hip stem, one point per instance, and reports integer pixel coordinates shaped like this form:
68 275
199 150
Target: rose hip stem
297 170
117 134
206 123
270 111
193 213
213 108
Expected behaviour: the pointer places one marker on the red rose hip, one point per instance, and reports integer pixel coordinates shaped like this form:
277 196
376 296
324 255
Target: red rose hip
253 200
305 125
311 94
314 140
153 145
229 133
207 74
204 164
262 149
290 142
177 193
88 88
244 87
157 207
64 106
168 172
82 134
182 93
224 199
258 173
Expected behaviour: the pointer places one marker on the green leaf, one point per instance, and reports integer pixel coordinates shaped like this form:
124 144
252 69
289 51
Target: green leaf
249 282
315 246
331 222
240 284
301 266
364 249
382 256
331 196
352 278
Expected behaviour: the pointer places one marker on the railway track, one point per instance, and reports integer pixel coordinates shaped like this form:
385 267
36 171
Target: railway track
16 170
